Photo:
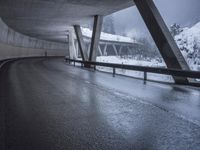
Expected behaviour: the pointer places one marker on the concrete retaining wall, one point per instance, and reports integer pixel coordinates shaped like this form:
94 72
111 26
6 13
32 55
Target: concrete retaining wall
14 44
9 51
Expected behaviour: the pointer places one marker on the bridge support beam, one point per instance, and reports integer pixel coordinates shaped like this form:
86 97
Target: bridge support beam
100 51
129 51
82 46
162 37
72 51
120 50
98 20
105 50
115 49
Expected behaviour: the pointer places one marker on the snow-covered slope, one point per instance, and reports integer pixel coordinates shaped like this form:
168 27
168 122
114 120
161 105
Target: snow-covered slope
130 61
189 43
109 37
134 61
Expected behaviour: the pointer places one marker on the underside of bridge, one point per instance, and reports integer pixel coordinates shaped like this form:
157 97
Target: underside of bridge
50 19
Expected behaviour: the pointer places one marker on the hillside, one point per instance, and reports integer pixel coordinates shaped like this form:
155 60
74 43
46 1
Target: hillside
189 43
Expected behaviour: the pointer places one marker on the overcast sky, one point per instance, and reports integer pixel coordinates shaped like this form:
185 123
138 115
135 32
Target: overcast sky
183 12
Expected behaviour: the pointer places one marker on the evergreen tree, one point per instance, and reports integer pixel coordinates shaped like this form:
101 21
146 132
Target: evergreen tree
175 29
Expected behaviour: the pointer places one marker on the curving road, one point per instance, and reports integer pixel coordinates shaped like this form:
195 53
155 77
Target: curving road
46 104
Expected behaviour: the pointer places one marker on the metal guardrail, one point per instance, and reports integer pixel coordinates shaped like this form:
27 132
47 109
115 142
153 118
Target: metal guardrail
164 71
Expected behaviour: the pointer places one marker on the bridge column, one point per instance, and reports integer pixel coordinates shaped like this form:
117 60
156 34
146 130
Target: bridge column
120 50
88 48
98 20
105 49
72 51
129 51
115 49
100 51
82 46
162 37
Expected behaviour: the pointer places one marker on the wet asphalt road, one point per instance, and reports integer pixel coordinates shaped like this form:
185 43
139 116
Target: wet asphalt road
46 104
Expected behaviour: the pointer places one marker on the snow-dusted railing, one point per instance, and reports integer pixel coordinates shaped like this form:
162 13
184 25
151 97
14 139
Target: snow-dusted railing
164 71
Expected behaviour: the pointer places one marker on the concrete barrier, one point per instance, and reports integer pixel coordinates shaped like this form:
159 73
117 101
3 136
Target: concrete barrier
14 44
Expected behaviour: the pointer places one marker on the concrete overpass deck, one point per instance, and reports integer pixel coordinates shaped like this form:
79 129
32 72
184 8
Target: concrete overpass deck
49 105
50 19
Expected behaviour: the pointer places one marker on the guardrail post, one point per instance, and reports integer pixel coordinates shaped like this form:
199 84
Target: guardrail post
74 62
114 72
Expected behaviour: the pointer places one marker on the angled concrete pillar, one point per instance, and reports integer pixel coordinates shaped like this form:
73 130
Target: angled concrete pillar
162 37
82 46
105 50
100 51
129 50
76 48
120 50
72 49
88 48
115 49
98 20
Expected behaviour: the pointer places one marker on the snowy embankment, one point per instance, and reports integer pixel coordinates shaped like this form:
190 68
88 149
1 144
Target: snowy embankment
137 74
132 61
189 43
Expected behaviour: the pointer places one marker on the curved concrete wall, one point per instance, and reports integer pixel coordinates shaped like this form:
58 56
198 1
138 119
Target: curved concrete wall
14 44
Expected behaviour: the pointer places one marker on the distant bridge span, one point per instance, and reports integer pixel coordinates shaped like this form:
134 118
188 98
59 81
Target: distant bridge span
115 44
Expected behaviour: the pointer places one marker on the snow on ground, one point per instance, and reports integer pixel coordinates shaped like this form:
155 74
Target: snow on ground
131 61
137 74
109 37
189 43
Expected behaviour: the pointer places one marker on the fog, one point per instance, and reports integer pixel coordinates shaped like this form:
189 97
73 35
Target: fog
183 12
